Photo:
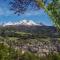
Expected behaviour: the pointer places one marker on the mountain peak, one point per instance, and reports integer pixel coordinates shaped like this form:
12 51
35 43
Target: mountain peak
23 22
28 22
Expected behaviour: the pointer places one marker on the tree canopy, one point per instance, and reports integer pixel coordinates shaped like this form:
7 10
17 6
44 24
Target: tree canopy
20 6
54 9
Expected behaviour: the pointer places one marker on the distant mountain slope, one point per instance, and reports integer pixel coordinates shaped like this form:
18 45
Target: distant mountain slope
36 30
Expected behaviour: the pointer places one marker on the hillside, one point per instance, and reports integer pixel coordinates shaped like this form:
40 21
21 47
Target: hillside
40 31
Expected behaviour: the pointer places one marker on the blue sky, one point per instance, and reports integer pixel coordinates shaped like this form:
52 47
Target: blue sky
36 15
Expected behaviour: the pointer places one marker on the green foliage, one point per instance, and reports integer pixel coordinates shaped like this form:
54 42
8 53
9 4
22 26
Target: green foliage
53 56
54 9
7 53
3 51
29 56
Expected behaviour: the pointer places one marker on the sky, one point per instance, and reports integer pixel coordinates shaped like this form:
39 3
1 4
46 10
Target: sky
6 15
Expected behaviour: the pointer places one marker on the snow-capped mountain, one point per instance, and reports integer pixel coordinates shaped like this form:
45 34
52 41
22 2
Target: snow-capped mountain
8 23
28 22
22 22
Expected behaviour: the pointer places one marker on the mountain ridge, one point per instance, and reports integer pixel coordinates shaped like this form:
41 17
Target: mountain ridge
23 22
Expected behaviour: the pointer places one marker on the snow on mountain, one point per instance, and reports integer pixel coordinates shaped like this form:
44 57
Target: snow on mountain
8 23
22 22
28 22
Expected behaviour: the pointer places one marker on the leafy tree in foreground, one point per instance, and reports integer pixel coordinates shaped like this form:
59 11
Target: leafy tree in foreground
54 9
7 53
